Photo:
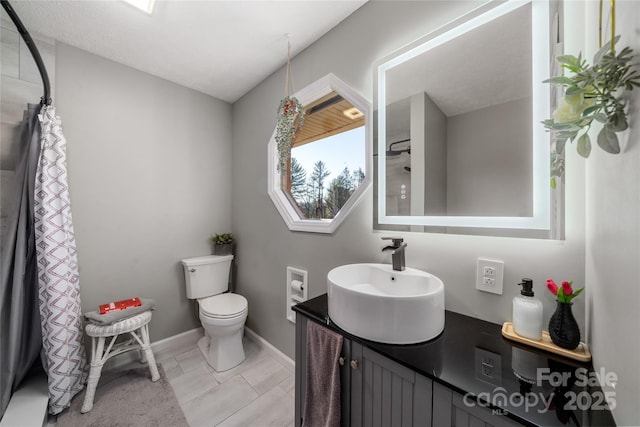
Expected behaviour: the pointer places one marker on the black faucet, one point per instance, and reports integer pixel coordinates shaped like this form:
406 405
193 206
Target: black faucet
397 252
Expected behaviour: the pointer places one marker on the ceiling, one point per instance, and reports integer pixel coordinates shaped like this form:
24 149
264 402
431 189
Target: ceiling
489 65
329 115
221 48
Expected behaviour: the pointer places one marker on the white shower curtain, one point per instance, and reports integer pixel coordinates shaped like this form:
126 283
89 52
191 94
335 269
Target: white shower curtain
59 288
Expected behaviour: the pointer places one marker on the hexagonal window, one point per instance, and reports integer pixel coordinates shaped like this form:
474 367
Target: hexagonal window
328 169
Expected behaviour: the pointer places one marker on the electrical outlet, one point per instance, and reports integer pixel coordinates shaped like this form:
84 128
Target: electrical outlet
488 366
489 276
488 281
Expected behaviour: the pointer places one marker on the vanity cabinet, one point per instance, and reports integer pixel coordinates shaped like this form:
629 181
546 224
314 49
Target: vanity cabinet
385 393
449 409
375 391
425 384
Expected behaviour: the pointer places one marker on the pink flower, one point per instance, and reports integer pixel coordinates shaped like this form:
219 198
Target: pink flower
565 293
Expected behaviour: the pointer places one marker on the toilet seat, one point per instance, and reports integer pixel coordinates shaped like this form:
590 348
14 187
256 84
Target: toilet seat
223 306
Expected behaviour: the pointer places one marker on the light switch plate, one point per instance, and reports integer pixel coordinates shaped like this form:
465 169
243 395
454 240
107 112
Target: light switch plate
489 276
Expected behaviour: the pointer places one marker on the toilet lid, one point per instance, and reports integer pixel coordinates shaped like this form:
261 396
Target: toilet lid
223 305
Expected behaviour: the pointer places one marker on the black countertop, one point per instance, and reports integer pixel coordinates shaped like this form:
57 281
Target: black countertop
473 358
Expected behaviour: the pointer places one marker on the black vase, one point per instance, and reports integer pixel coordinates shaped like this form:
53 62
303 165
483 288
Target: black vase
563 328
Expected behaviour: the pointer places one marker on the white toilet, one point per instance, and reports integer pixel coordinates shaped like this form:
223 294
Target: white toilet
222 314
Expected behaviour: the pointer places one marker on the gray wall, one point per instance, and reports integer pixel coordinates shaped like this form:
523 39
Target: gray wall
20 83
266 247
613 237
489 161
149 171
435 159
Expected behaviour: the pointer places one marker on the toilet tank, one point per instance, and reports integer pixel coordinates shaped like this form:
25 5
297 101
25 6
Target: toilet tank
207 275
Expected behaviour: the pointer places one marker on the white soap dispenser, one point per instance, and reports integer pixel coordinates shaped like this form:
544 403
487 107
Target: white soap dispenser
527 312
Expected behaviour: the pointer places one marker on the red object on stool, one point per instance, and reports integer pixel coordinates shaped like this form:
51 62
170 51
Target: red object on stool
120 305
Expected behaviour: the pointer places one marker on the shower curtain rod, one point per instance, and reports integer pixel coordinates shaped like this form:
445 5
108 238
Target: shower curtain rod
45 100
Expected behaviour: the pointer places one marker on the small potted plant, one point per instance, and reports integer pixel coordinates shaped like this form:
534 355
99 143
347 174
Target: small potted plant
223 243
563 328
592 93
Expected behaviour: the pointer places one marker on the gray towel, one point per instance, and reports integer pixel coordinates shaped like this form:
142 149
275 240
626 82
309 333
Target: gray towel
115 316
322 395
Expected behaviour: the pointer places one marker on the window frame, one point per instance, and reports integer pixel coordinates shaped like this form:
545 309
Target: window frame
283 202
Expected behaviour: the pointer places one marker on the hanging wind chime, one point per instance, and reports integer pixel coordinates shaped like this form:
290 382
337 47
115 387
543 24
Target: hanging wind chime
290 118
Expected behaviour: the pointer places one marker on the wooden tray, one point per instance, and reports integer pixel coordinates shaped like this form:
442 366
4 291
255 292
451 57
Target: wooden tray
580 353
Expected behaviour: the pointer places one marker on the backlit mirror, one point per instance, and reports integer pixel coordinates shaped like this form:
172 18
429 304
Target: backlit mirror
328 169
459 140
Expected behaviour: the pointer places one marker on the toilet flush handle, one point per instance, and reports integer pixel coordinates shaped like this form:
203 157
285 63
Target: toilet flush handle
192 270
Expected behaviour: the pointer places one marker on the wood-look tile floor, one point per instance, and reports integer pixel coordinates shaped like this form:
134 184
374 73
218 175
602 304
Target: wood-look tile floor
259 392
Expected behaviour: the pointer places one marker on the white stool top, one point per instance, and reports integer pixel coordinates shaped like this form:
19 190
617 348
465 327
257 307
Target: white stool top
120 327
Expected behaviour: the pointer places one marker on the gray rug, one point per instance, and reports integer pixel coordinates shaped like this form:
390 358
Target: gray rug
127 398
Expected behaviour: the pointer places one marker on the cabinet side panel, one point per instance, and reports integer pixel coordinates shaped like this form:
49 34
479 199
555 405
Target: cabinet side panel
368 392
387 378
396 401
460 417
476 422
407 403
484 415
357 389
422 401
441 405
345 385
300 368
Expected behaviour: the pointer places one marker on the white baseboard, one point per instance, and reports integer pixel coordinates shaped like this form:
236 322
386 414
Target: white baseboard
162 349
174 343
280 356
29 404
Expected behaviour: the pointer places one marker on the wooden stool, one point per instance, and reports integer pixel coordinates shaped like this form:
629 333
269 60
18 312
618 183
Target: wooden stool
138 327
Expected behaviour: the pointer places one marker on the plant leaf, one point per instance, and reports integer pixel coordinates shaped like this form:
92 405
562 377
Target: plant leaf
619 122
569 60
588 111
606 47
564 126
560 145
553 182
601 117
564 134
584 145
608 141
576 293
574 90
571 68
560 80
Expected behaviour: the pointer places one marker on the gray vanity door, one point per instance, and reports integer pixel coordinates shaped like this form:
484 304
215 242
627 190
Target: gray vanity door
301 367
301 374
385 393
449 409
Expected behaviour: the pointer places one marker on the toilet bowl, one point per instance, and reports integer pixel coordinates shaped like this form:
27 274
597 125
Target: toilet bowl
223 330
222 313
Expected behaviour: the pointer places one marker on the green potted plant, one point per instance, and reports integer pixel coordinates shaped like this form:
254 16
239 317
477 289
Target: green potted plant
223 243
591 93
290 120
563 328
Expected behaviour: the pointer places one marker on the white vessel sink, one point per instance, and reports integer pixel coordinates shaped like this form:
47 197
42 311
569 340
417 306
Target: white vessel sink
374 302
